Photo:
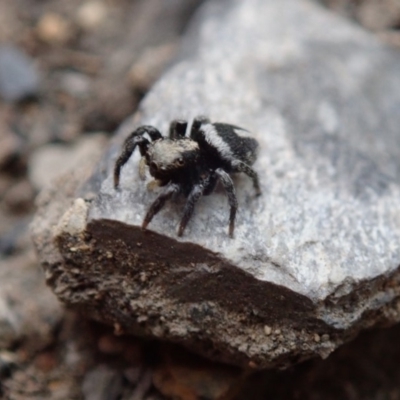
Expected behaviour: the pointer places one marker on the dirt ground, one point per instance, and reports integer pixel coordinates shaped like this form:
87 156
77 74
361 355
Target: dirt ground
78 68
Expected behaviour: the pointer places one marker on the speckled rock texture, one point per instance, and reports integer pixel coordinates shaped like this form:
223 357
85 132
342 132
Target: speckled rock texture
314 259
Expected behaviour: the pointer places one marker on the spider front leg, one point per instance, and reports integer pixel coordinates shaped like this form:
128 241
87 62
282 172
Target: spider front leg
239 166
159 202
210 186
134 139
193 197
227 183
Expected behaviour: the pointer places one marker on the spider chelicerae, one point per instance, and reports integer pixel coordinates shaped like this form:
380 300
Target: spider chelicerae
191 165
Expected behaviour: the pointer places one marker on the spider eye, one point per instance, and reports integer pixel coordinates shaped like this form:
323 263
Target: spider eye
180 162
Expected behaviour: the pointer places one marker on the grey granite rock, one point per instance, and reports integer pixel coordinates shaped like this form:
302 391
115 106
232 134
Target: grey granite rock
314 259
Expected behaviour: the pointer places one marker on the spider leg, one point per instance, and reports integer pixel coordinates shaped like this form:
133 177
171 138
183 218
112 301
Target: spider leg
239 166
134 139
159 202
227 183
154 133
210 185
177 129
193 197
129 147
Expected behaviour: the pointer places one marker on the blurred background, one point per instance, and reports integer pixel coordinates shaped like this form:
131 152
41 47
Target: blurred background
70 72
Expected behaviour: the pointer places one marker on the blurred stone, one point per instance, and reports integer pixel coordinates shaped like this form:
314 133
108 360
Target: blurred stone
8 362
14 235
379 15
18 76
29 311
114 101
184 376
37 124
392 37
76 84
142 386
152 23
316 256
91 14
53 28
102 383
19 197
150 65
53 160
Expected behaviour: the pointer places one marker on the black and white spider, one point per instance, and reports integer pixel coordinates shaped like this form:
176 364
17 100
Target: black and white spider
192 165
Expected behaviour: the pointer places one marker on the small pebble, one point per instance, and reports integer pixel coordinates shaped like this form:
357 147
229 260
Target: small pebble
54 29
317 338
118 330
76 84
252 364
267 330
91 14
325 337
143 277
142 318
109 254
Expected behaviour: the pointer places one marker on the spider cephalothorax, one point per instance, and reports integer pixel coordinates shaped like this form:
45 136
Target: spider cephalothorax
192 165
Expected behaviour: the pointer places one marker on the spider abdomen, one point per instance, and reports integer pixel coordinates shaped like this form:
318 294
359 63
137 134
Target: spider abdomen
227 142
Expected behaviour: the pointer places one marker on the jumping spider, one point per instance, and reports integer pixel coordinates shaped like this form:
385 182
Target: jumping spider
192 165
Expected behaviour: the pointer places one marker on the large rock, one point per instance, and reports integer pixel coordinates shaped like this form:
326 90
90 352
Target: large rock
314 259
